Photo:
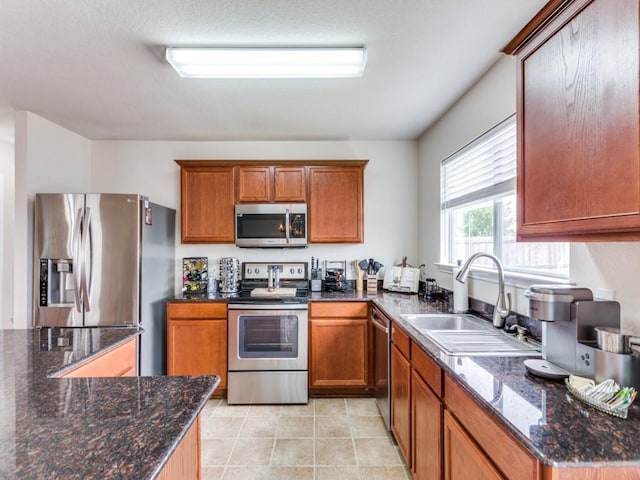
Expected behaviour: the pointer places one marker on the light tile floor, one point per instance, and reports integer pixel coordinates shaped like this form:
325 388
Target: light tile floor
336 438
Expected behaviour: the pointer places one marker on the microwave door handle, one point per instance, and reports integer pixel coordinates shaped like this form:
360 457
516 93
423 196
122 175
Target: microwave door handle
287 230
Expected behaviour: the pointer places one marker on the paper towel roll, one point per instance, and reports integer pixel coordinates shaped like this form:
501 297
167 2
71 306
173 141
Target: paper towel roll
460 294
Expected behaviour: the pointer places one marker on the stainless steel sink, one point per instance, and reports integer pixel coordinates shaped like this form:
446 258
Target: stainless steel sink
443 321
464 334
484 342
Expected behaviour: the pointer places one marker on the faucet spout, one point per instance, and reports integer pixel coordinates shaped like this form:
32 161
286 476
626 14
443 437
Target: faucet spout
503 303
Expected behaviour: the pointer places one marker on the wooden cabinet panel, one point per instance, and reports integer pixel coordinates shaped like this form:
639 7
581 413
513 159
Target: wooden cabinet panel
197 340
401 402
254 184
578 120
193 310
401 340
185 463
267 184
426 428
462 458
197 347
339 309
339 352
289 184
120 361
427 368
336 204
207 205
505 451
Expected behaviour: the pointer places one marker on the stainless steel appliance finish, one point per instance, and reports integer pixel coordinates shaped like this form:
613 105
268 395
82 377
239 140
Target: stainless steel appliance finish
382 351
272 225
569 321
105 260
268 336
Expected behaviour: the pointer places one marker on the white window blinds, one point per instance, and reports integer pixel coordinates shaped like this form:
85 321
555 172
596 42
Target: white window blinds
484 168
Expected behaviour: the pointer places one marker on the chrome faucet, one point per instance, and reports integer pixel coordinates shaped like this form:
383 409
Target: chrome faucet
503 304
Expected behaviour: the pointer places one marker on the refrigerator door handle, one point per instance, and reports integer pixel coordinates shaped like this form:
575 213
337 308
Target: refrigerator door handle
77 260
86 261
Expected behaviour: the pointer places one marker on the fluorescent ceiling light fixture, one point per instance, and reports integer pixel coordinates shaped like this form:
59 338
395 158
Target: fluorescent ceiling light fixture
259 62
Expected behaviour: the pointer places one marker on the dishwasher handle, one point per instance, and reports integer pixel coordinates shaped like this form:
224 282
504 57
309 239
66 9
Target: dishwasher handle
378 325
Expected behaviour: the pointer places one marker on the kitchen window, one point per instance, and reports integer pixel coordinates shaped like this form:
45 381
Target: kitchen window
478 208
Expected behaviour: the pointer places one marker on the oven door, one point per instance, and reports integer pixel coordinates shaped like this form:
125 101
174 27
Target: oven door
268 337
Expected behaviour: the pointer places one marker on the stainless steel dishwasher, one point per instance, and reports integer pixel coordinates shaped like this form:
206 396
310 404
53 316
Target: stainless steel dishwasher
382 347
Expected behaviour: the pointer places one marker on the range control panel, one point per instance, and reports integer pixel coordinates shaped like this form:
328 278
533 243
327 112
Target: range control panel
288 271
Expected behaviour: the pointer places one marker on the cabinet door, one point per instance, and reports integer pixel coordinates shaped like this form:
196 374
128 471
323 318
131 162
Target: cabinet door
290 184
254 184
197 347
336 205
578 156
401 402
118 362
462 458
339 352
207 201
426 428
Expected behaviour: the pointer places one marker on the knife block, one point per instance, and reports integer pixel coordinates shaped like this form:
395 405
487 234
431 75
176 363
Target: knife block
372 284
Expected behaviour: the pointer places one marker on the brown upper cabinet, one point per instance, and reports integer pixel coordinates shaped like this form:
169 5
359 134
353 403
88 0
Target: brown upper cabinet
333 190
578 122
207 204
336 204
267 184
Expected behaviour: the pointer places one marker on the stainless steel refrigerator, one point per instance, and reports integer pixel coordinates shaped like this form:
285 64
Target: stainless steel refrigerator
105 260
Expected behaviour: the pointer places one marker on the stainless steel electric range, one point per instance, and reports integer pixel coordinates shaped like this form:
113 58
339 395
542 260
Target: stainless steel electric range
268 335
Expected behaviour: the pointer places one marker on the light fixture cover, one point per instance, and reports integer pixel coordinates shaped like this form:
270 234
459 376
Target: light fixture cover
260 62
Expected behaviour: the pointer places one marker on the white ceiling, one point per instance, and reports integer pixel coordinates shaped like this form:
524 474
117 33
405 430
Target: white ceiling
96 67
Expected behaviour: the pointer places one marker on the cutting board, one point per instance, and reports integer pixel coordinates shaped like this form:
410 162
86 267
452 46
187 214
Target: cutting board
401 279
278 292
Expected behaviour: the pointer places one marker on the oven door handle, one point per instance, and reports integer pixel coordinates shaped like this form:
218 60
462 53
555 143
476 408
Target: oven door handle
281 307
379 325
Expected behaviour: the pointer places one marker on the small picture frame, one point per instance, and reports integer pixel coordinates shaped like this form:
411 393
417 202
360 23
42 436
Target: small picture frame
195 275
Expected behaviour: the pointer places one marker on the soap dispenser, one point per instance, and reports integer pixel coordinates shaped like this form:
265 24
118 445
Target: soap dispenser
460 292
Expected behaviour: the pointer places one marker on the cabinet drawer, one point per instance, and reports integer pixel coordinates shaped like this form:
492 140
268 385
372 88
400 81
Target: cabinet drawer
426 368
196 310
401 340
339 309
505 452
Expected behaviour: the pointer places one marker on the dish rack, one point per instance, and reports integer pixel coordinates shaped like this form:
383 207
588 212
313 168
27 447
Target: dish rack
606 397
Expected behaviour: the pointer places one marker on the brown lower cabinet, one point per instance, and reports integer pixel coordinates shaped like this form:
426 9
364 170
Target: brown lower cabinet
401 399
426 430
197 340
117 362
184 463
463 459
340 348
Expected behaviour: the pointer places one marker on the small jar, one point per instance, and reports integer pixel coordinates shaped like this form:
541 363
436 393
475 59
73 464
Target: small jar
212 287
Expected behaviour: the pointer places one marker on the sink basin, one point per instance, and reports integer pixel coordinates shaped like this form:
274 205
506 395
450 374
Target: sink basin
443 321
481 342
464 334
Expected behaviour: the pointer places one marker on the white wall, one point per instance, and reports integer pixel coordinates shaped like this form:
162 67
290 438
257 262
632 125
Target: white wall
48 158
611 266
391 199
6 233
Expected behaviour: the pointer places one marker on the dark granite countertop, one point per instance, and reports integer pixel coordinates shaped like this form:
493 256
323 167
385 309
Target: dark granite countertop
85 428
550 423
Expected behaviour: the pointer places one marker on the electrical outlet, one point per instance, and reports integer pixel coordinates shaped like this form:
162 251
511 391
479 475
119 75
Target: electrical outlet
351 272
604 294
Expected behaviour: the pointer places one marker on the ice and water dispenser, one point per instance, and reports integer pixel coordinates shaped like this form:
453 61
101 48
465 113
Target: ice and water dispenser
56 282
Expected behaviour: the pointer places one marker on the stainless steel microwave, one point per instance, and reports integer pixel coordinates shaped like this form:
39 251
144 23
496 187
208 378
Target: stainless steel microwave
271 225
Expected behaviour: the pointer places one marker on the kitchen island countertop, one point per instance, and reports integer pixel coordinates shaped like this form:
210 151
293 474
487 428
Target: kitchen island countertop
82 428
